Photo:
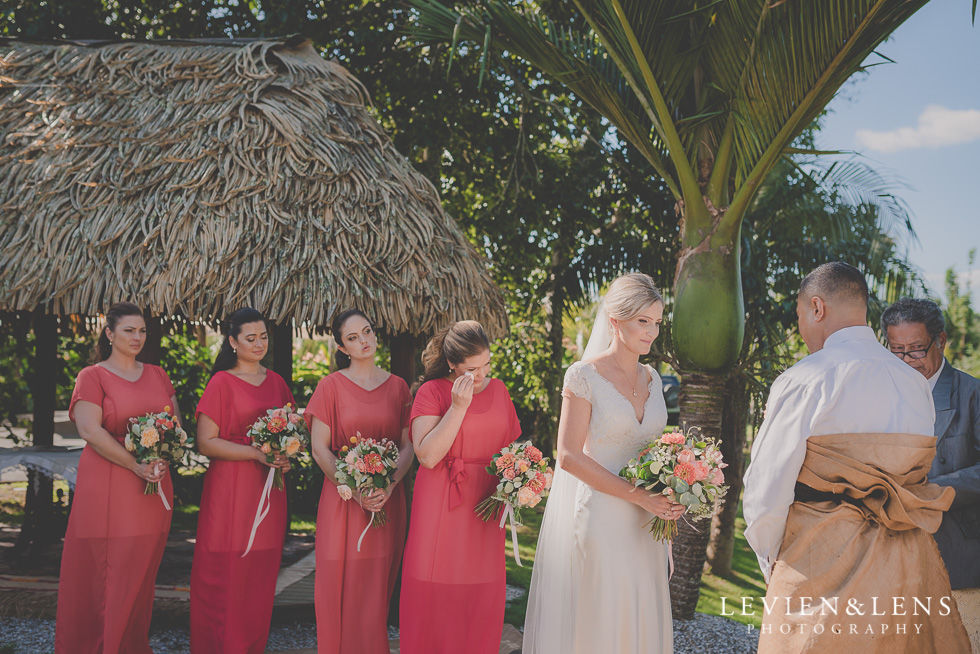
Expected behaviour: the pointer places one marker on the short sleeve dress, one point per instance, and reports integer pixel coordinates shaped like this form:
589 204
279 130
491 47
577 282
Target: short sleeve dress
454 574
352 589
116 533
232 596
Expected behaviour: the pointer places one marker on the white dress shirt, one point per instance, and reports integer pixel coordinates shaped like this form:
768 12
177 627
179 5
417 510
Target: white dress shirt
935 378
852 385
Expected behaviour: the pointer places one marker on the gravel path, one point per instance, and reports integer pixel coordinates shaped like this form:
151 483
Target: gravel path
705 634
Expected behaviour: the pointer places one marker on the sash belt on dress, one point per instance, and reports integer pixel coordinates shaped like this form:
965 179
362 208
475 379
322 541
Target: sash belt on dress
804 493
457 475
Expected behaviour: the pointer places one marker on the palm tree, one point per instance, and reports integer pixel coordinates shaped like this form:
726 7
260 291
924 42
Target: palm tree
712 93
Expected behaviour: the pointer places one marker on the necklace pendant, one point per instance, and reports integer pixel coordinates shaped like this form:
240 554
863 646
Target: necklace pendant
634 393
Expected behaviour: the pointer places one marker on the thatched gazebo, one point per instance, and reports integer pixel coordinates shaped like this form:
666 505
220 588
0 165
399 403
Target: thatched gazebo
196 177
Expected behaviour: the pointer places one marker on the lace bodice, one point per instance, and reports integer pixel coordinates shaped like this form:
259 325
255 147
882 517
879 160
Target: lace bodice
615 435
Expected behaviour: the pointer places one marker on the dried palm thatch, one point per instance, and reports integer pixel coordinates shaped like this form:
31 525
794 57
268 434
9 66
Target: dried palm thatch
198 177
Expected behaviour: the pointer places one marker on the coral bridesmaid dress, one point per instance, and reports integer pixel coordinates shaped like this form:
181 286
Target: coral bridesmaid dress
454 575
353 588
231 596
116 534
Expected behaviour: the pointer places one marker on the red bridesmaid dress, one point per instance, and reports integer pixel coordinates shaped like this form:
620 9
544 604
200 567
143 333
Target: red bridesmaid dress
352 589
454 575
231 596
116 533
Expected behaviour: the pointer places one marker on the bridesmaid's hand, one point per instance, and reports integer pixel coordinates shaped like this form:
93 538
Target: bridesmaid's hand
153 471
660 505
463 391
372 501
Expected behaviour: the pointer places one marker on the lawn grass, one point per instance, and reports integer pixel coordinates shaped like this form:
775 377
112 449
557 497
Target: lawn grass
745 581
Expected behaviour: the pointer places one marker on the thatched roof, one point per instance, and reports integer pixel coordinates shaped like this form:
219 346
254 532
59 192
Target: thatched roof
197 177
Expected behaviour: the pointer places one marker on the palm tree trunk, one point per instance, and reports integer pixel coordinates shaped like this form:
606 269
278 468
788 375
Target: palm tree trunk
734 420
701 402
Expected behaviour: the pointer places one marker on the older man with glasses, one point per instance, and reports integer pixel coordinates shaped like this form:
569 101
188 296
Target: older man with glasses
916 332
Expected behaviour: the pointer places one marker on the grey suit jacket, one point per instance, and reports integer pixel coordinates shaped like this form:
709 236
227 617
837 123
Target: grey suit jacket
957 464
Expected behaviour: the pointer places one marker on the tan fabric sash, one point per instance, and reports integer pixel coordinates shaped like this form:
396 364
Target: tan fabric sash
872 554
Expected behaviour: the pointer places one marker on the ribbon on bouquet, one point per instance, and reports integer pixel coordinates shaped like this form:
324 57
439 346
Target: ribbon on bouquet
265 504
163 498
364 533
509 512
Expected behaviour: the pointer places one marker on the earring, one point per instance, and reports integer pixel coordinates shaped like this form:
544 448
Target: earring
110 343
235 350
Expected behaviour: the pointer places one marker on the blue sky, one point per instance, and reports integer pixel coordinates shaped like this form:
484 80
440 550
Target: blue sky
918 120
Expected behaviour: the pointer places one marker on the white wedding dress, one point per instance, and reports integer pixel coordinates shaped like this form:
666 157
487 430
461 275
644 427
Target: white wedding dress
599 584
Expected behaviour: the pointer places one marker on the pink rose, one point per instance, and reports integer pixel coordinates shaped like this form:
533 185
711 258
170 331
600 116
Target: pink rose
717 477
701 470
359 466
509 474
686 456
673 438
351 458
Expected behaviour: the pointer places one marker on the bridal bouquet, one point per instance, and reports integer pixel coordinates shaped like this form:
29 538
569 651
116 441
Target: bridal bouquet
280 431
525 478
684 467
156 437
364 465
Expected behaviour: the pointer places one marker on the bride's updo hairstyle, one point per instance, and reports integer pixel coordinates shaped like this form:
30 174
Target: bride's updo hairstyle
454 344
630 294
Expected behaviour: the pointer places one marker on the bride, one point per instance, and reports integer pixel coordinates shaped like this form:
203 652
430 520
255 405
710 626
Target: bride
600 579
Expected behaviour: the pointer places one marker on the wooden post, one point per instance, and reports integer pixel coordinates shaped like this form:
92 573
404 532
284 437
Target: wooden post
282 349
38 528
152 352
403 357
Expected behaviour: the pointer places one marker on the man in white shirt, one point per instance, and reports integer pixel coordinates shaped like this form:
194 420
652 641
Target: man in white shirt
814 503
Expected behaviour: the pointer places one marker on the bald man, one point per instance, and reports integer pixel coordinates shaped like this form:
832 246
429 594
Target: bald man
836 503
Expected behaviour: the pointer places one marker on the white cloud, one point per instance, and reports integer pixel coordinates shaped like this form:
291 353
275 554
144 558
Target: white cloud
938 127
936 282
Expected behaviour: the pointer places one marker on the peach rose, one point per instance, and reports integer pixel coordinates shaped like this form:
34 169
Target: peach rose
149 437
291 445
266 448
345 492
509 474
525 496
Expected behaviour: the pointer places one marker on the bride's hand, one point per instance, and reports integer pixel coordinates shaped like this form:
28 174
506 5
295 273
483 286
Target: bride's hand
659 505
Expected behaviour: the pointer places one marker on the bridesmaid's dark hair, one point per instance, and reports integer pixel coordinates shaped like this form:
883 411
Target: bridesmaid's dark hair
336 328
232 326
454 344
116 312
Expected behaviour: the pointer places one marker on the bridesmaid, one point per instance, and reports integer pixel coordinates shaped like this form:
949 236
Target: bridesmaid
116 533
231 596
453 581
352 589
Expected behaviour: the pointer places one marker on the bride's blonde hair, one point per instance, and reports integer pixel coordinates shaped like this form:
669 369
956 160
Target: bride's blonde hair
630 294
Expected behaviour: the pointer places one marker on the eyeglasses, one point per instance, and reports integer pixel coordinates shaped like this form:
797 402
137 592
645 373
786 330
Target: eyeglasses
913 354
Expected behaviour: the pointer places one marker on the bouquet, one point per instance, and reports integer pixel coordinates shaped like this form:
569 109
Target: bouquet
156 437
525 478
684 467
280 431
364 465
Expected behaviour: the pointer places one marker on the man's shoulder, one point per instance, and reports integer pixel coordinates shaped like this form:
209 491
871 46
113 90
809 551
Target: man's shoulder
966 381
839 364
